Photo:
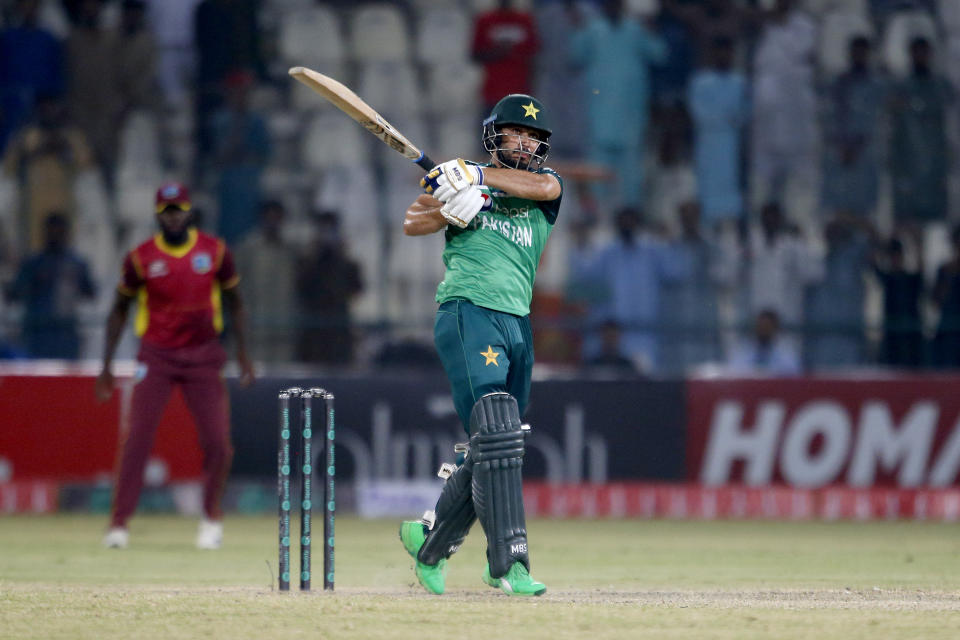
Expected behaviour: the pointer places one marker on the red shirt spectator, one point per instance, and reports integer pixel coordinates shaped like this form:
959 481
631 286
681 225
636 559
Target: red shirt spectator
505 42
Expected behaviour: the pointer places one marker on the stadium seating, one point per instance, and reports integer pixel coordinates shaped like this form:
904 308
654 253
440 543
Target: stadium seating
443 34
378 32
327 142
948 11
391 87
451 87
353 192
457 136
311 37
822 7
901 28
836 30
139 171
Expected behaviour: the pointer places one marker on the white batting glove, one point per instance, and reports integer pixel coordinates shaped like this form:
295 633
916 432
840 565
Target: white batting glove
461 208
451 177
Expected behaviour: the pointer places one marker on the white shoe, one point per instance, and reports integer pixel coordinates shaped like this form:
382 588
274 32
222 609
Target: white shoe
116 538
210 534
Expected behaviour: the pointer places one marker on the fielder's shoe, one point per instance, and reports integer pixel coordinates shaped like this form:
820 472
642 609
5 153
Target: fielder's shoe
432 577
116 538
209 534
517 582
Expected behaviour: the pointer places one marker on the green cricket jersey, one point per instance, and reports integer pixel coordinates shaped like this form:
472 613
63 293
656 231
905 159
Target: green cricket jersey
493 261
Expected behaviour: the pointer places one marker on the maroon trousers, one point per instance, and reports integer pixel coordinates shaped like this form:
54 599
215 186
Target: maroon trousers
198 372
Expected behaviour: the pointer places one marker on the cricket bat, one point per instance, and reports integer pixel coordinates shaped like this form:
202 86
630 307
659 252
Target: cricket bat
352 105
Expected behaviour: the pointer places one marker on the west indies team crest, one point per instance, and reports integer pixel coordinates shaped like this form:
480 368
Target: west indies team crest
201 263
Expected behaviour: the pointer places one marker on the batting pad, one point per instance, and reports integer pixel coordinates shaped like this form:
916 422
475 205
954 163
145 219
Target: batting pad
455 516
496 446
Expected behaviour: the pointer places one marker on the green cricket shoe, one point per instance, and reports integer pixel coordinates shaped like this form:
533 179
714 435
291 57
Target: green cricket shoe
489 579
517 582
412 536
432 577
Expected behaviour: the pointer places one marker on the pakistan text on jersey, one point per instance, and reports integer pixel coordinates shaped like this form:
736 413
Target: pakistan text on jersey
522 236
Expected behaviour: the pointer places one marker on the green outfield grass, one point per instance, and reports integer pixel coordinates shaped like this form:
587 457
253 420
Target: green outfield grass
606 579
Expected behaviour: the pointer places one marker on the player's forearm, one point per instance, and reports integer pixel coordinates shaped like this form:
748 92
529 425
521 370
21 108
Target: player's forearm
115 323
423 217
540 187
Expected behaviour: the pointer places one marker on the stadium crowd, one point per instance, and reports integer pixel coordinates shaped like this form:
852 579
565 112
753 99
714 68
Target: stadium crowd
750 186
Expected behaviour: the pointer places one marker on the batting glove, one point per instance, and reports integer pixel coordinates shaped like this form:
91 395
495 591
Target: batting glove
460 209
451 177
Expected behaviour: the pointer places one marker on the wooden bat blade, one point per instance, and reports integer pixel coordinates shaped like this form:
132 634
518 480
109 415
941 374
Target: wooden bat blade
354 106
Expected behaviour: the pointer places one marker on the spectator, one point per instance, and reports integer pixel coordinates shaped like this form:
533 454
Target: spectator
584 289
784 136
615 52
835 307
9 351
611 358
172 25
671 179
138 64
669 79
93 99
779 267
691 306
558 82
505 44
719 107
633 270
327 280
902 342
766 352
852 109
918 141
31 64
51 284
44 159
269 267
708 20
946 295
241 146
227 38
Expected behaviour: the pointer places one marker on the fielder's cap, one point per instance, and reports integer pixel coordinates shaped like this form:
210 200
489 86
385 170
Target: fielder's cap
173 194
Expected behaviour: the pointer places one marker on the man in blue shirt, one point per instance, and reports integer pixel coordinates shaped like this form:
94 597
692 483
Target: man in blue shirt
50 284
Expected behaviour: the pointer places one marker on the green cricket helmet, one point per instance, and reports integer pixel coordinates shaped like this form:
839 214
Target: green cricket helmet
518 109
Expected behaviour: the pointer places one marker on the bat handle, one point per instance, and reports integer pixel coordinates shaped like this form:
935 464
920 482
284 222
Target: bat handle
425 162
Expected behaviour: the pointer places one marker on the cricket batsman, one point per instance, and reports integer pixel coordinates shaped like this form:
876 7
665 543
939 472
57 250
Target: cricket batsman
497 217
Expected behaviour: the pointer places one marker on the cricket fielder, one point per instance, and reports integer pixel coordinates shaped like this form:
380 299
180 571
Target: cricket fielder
181 278
497 216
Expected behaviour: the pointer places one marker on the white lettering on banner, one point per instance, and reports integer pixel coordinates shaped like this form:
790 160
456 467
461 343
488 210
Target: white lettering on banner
416 455
820 445
883 443
728 441
944 471
800 465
